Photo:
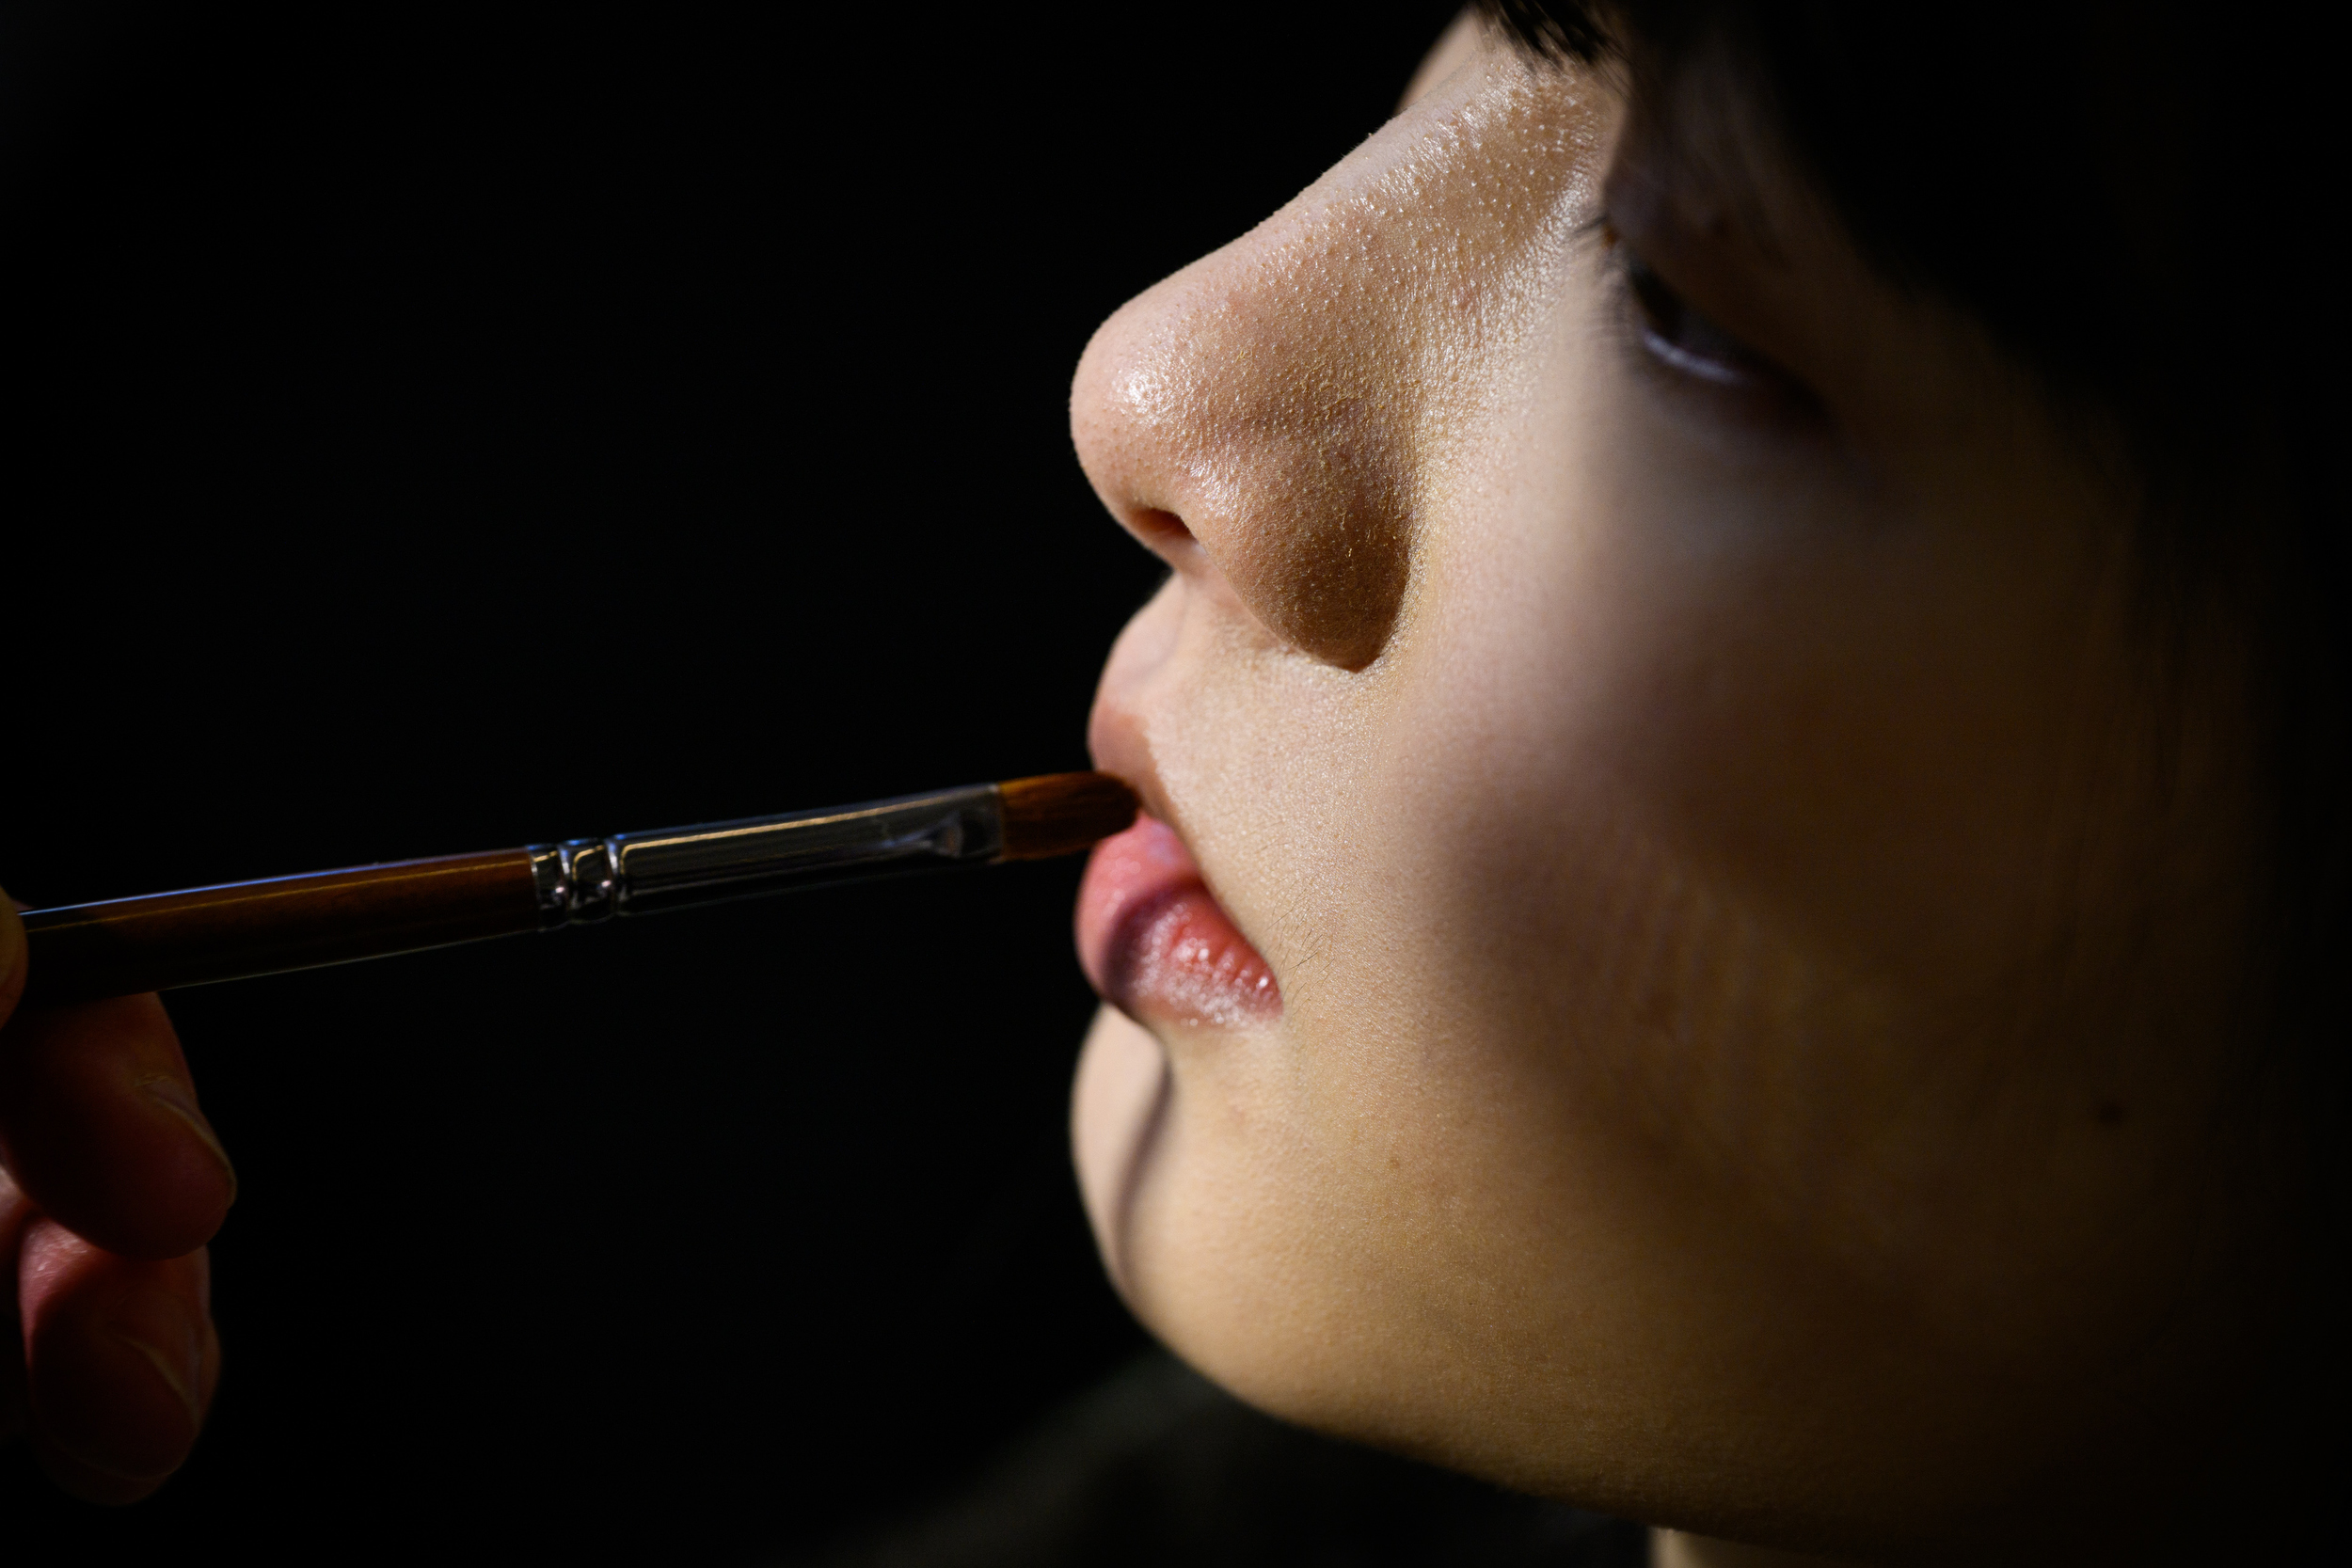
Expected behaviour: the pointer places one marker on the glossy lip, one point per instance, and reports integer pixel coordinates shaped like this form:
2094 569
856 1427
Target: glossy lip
1158 945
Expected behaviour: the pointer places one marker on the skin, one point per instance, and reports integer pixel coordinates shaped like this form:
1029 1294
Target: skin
113 1183
1759 919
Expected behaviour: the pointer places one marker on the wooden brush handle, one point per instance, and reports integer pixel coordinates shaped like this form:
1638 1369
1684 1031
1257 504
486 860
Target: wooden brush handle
128 946
87 951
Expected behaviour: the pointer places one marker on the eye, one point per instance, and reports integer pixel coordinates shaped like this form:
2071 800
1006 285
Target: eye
1680 335
1685 340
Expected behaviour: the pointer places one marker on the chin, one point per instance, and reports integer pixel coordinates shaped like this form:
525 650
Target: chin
1118 1114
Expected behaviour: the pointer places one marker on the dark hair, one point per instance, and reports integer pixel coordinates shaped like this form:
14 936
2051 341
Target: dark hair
2133 200
2126 151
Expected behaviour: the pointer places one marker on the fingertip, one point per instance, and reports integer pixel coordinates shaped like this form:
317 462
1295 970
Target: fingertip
122 1361
176 1097
101 1125
78 1479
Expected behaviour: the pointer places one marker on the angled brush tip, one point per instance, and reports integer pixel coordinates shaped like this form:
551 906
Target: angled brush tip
1060 814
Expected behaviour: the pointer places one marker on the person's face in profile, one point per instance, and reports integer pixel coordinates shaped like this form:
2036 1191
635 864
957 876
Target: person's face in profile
1747 931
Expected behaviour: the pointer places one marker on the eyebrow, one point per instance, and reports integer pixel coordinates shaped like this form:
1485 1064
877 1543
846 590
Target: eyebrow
1563 34
1554 34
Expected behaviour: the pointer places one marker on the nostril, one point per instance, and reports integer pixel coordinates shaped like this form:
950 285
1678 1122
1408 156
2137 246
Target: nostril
1156 528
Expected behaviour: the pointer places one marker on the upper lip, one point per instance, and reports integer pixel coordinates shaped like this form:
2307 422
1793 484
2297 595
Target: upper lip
1115 737
1118 748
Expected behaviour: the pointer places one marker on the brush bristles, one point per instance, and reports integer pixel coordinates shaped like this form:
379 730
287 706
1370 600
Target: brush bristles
1062 814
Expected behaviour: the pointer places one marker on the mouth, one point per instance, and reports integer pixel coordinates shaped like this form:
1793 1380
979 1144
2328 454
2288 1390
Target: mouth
1156 944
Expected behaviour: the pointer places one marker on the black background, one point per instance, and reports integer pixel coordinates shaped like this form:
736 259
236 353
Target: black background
435 428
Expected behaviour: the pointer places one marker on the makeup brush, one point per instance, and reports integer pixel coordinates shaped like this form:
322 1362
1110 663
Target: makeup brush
81 952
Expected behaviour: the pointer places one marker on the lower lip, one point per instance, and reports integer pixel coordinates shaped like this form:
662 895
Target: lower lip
1154 942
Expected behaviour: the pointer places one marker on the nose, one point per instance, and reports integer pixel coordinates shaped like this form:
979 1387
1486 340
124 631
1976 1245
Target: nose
1280 415
1242 419
1245 419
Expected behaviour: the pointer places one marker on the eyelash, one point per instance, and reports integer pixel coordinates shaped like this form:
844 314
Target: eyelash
1682 341
1679 341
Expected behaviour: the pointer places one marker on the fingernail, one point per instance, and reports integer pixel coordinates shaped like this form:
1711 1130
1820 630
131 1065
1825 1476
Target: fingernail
175 1097
159 1327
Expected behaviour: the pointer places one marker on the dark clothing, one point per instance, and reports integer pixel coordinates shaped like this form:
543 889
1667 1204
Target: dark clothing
1158 1468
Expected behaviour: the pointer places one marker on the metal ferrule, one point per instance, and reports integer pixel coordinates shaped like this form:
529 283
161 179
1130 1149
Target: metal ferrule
552 878
588 879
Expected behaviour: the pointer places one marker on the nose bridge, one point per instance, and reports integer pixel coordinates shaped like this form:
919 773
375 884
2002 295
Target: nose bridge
1291 397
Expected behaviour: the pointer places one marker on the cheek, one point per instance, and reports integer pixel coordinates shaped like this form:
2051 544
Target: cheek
1727 821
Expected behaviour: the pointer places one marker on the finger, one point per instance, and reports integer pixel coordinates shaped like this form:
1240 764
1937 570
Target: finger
122 1362
100 1126
16 1214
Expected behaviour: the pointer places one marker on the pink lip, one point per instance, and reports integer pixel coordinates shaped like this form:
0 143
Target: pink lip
1154 942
